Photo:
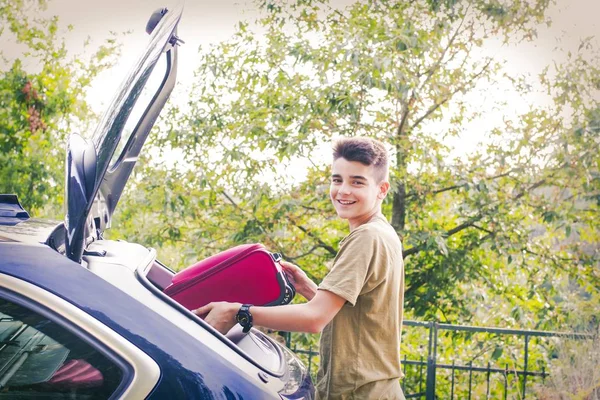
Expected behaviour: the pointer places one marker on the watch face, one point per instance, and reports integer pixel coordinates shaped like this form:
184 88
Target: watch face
244 318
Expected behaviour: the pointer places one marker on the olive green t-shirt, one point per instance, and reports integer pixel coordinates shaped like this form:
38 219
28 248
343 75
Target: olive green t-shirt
360 347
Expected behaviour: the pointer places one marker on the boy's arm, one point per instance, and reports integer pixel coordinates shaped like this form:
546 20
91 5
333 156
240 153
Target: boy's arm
310 317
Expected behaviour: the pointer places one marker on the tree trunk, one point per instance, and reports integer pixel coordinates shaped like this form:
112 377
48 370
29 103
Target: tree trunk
399 207
399 201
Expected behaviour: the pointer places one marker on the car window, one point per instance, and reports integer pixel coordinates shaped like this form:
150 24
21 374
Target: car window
146 94
42 359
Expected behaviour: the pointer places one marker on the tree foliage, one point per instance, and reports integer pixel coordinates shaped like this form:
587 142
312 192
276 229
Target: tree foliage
502 235
42 97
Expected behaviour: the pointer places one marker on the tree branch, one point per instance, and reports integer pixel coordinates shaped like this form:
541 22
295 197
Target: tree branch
462 226
437 64
448 233
322 244
426 278
471 222
414 194
405 113
530 188
435 106
429 73
230 199
483 229
260 225
552 258
290 258
491 178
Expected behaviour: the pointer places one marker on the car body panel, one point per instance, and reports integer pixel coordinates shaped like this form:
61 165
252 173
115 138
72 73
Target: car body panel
11 211
189 368
144 373
31 231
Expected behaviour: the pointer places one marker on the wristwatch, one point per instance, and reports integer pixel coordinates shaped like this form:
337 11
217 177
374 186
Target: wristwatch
244 317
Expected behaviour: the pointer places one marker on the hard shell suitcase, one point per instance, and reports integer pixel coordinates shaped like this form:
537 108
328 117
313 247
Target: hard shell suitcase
247 274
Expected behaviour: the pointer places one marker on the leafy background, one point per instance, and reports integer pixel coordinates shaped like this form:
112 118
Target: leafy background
502 235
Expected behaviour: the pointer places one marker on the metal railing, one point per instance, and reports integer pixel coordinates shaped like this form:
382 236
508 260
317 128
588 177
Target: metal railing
499 381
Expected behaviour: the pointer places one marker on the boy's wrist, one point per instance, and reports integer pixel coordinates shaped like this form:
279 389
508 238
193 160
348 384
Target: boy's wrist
244 317
235 307
311 291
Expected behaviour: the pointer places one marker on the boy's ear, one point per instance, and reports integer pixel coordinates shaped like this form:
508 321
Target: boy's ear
384 188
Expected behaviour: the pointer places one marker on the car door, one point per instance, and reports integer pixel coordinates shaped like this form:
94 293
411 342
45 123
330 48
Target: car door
52 349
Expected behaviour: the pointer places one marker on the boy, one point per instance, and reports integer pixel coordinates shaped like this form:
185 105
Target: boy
358 306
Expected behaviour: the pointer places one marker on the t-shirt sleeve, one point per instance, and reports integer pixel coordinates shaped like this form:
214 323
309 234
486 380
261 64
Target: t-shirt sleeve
351 267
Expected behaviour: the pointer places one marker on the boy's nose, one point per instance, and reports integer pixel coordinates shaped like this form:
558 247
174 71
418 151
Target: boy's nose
345 189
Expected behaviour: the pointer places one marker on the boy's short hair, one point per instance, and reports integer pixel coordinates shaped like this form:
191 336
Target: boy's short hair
364 150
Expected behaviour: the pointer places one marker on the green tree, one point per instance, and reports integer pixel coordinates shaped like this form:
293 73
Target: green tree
486 235
42 98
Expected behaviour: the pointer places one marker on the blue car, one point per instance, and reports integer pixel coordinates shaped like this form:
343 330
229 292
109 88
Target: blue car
82 317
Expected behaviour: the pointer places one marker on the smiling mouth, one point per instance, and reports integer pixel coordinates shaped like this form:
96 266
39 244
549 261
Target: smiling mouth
346 202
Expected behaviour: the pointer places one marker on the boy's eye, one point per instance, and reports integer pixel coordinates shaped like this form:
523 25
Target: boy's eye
357 182
336 180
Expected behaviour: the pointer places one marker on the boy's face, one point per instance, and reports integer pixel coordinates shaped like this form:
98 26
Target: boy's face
355 192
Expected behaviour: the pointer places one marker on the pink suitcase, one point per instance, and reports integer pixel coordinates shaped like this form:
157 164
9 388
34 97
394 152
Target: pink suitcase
247 274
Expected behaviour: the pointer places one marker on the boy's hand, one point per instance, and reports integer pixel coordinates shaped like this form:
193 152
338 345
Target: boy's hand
303 284
221 315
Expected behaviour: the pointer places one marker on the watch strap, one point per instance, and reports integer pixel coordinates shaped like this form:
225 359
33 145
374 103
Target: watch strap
244 317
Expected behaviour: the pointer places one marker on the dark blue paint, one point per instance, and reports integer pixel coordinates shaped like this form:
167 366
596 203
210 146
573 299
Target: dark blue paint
80 176
186 364
11 211
305 390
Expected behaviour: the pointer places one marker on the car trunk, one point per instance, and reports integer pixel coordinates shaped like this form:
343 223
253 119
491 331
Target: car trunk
127 265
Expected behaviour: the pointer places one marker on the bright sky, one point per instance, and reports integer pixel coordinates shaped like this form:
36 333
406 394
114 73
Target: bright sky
209 21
